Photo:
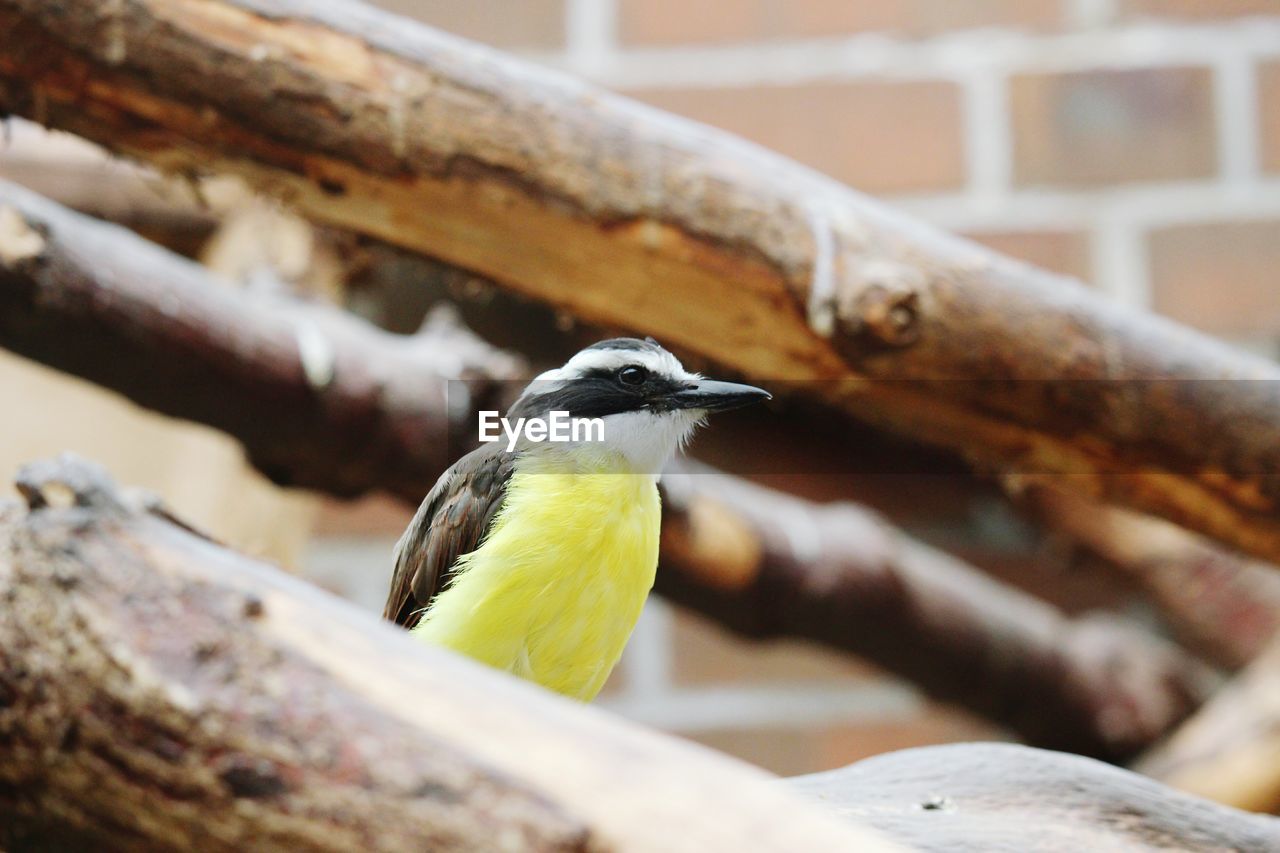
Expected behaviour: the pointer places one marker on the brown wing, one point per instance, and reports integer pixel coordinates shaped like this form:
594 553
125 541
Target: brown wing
452 520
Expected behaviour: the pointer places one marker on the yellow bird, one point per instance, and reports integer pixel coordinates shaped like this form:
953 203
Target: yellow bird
535 553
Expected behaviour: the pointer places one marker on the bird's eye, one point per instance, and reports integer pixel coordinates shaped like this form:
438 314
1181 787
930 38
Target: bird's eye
633 375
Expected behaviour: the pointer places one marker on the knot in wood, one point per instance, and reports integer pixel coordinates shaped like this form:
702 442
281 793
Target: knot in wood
21 241
65 482
883 304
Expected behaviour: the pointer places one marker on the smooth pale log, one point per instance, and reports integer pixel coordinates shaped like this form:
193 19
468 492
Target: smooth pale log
160 691
982 797
632 218
864 587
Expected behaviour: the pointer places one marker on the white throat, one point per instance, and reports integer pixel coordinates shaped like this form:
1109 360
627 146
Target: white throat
634 443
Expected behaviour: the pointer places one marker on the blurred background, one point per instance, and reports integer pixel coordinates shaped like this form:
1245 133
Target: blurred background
1132 143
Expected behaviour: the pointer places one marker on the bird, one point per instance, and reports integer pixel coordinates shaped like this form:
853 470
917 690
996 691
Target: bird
536 557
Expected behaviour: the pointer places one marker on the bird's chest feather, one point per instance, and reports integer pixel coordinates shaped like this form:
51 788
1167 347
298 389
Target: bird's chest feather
555 590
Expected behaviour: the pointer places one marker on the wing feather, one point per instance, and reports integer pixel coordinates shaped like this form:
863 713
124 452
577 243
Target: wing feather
452 520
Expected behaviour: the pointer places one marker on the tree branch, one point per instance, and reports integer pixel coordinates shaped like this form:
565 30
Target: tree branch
1221 603
767 564
90 298
1229 750
638 220
158 691
321 400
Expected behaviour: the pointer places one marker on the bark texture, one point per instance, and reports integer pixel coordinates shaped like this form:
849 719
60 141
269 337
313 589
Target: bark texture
158 691
92 299
982 797
630 218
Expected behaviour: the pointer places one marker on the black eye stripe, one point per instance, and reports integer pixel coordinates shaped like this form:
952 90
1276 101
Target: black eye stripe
598 393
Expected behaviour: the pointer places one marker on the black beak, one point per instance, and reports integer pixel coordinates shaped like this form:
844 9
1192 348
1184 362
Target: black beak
714 396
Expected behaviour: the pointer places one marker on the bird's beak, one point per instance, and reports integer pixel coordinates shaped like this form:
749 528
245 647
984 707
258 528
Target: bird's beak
713 396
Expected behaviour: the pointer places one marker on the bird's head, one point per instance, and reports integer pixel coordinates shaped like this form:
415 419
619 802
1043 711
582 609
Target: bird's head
648 403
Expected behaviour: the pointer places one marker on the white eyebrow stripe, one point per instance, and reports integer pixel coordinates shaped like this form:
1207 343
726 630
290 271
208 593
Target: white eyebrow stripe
612 359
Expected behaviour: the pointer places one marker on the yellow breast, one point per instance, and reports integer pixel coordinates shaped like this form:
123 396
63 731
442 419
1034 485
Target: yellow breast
555 590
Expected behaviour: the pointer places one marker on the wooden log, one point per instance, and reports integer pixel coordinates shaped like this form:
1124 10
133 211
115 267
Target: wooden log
1229 750
631 218
864 587
768 564
158 691
1220 603
318 398
980 797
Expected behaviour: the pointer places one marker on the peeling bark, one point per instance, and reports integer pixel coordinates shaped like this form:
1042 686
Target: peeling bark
160 692
629 218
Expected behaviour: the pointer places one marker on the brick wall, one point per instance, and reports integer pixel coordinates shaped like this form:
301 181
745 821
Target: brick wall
1133 143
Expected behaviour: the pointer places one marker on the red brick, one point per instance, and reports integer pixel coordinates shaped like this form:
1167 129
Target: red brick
1066 252
1100 127
1196 9
1269 115
659 22
884 137
501 23
705 654
1219 277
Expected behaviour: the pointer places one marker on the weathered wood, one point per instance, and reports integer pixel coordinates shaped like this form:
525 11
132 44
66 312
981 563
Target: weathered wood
768 564
978 798
321 399
628 217
1220 603
160 692
1229 750
866 588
